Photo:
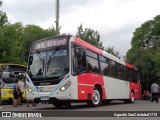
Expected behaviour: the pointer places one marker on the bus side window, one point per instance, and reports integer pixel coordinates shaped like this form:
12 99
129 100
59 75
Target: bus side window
121 72
104 64
92 64
92 61
113 69
127 73
134 75
81 62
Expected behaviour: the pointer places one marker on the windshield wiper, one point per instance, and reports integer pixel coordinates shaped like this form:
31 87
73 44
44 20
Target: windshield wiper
40 57
50 58
58 75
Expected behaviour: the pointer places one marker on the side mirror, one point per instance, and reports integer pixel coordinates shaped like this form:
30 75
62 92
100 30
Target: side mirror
30 60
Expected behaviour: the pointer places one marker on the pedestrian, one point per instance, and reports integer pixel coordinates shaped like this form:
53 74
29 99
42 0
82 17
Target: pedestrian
144 97
155 92
16 92
32 101
28 101
21 87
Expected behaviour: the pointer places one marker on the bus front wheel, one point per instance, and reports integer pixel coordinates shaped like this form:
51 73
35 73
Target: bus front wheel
97 99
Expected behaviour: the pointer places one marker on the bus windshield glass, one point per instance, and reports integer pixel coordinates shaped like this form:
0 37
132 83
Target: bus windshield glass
11 72
48 64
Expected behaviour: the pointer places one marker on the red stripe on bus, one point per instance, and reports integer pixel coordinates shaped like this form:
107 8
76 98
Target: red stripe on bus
87 45
129 65
86 84
136 88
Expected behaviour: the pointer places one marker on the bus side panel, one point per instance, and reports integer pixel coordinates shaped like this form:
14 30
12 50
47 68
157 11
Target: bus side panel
116 89
86 83
137 89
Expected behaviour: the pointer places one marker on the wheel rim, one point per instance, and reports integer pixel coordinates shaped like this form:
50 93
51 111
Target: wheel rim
96 97
132 97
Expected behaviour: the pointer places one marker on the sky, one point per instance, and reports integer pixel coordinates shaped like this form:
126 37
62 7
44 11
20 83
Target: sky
115 20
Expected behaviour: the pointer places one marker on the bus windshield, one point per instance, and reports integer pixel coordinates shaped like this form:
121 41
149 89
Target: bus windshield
11 72
48 64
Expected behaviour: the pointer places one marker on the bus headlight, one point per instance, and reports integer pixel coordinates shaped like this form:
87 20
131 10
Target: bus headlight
65 86
30 90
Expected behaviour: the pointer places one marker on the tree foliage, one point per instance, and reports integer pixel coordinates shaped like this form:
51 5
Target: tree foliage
3 24
32 33
0 3
93 37
112 51
89 35
17 40
145 51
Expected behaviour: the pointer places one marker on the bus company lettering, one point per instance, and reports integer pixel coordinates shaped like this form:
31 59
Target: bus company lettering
50 43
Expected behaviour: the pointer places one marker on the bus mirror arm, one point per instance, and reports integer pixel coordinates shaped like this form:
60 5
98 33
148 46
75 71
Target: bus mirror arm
79 51
75 67
30 60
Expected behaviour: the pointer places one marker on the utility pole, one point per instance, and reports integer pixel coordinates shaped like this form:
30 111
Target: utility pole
57 17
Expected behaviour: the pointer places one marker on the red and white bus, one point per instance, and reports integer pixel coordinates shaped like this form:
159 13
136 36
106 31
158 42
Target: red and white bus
66 69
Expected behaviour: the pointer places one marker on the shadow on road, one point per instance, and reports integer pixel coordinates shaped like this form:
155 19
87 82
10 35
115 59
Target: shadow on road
79 106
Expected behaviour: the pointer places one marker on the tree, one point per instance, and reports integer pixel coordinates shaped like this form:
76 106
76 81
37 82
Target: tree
16 41
3 18
89 35
144 52
33 33
3 24
1 3
112 51
12 43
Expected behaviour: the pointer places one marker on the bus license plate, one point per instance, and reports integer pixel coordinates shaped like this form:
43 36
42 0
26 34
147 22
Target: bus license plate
44 98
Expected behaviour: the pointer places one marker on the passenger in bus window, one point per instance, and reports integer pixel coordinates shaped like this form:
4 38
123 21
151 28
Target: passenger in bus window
40 72
81 62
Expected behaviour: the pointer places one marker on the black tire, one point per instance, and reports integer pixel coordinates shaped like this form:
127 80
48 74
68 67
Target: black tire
106 102
132 99
67 104
97 98
57 103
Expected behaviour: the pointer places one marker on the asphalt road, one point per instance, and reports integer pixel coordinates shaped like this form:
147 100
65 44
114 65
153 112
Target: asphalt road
139 105
115 106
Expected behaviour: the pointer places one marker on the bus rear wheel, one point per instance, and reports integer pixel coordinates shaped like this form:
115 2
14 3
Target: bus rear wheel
132 98
97 99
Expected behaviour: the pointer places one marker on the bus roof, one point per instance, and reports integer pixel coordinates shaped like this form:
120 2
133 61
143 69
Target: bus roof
52 37
90 47
101 52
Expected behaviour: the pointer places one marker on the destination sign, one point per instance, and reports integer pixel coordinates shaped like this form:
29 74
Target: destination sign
50 43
